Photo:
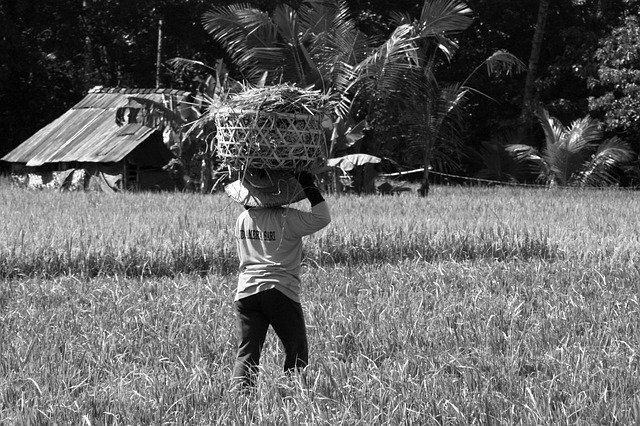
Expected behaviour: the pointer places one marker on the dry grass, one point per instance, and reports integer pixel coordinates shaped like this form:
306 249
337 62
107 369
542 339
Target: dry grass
473 306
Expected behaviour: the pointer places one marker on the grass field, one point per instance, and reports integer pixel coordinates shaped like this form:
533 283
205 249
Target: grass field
471 306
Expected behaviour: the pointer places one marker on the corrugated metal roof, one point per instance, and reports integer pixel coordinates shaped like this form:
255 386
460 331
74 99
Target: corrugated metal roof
88 132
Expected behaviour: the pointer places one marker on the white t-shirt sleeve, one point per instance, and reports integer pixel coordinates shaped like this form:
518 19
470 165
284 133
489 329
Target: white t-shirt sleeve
299 223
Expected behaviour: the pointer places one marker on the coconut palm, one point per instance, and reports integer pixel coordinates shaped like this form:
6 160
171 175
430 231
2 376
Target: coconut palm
434 114
430 109
571 155
319 44
308 45
398 75
315 44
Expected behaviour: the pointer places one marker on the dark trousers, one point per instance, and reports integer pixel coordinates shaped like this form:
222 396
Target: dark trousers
254 315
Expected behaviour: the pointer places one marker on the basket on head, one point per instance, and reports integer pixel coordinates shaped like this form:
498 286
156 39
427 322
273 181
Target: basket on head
264 188
250 139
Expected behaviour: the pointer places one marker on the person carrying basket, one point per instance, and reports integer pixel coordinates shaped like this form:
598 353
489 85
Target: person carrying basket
269 245
269 136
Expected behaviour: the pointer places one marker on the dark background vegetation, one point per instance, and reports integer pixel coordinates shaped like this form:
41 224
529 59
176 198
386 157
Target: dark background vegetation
52 52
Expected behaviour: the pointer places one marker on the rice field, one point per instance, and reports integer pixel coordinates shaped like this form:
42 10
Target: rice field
472 306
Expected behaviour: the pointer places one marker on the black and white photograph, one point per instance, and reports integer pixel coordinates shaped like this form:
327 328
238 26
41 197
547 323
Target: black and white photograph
319 212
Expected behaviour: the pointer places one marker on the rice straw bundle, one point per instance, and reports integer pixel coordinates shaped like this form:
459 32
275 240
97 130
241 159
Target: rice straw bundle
276 128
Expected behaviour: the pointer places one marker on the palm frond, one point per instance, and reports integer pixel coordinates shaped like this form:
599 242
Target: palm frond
444 17
285 20
564 164
446 45
503 62
566 149
274 58
318 17
182 65
343 77
553 129
340 40
397 18
452 97
229 23
339 57
391 66
431 123
294 36
242 30
329 38
530 160
446 157
500 62
301 45
611 154
522 152
581 134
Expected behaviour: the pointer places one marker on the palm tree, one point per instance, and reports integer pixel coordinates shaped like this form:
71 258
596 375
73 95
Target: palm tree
399 74
435 116
315 44
379 84
571 155
309 45
319 44
429 109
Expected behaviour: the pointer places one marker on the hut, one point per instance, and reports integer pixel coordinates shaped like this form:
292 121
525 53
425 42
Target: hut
114 139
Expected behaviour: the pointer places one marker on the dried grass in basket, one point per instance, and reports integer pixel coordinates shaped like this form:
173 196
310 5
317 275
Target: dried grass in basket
277 128
275 141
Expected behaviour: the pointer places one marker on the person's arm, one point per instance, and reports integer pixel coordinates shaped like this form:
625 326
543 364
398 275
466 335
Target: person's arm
305 223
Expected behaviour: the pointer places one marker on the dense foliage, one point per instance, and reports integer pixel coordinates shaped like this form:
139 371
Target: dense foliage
617 84
52 52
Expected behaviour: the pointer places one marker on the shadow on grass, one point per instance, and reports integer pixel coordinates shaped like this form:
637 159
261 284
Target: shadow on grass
484 246
326 251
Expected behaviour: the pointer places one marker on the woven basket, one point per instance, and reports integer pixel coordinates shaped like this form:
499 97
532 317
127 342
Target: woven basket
267 140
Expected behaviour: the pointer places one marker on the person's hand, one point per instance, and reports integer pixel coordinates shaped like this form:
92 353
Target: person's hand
309 187
305 178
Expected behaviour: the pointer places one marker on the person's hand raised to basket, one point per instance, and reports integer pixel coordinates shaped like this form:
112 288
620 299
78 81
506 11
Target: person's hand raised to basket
309 187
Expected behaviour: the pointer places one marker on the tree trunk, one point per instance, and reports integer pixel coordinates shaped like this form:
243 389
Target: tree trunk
206 181
424 186
364 182
159 54
528 97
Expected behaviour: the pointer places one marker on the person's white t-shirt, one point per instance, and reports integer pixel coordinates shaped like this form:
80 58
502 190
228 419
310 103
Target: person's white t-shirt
269 243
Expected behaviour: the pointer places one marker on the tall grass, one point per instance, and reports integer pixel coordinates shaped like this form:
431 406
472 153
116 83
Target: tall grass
88 234
473 306
412 343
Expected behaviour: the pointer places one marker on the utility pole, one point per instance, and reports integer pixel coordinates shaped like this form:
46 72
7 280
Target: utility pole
159 54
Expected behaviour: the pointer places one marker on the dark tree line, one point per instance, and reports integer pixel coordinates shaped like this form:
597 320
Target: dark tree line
51 52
